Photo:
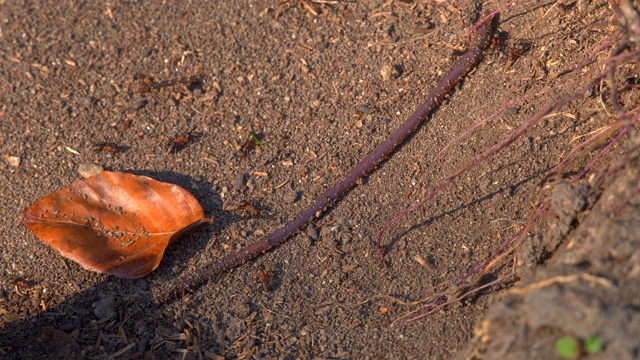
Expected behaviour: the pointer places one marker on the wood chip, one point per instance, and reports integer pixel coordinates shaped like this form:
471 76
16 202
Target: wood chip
281 184
122 351
72 150
309 8
420 260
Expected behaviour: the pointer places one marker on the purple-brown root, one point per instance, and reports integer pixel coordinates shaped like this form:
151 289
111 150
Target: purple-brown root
459 69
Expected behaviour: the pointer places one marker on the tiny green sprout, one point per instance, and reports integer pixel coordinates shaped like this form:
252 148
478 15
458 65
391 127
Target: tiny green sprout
567 347
593 344
254 137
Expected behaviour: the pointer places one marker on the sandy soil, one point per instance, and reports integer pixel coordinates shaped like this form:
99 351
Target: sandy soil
321 90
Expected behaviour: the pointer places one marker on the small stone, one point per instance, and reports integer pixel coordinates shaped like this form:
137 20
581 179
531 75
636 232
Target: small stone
312 232
385 72
315 104
291 197
364 109
513 110
390 72
89 169
239 181
12 160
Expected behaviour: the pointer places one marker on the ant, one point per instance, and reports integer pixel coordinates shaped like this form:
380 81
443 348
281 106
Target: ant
248 146
497 43
181 141
21 284
251 144
508 53
514 51
264 279
146 84
108 147
246 206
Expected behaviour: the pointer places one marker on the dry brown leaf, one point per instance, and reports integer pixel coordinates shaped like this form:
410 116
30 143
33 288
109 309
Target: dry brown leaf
114 223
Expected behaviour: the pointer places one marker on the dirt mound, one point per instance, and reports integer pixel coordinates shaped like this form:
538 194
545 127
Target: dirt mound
589 287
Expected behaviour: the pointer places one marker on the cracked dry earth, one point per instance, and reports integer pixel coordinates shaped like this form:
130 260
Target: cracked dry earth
321 84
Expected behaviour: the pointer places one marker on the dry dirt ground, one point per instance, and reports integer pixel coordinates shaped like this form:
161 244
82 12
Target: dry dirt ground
321 83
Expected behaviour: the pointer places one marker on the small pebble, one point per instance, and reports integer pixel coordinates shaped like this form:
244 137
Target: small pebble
389 72
239 181
89 169
12 160
385 72
291 197
364 109
315 104
312 232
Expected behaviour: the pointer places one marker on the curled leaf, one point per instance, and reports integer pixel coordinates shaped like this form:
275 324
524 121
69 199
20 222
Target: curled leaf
114 223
